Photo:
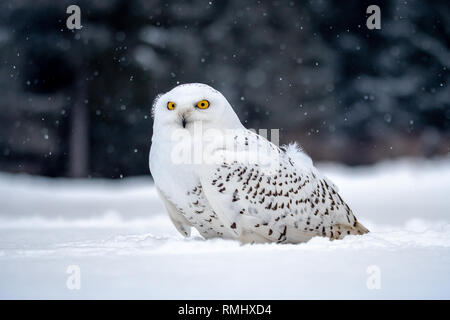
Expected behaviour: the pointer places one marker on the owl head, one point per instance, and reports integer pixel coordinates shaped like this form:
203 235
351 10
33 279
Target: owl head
191 103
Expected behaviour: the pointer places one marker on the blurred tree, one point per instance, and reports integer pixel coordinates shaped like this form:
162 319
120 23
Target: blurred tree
77 103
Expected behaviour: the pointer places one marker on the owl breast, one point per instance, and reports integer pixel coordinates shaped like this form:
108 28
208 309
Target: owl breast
180 185
172 179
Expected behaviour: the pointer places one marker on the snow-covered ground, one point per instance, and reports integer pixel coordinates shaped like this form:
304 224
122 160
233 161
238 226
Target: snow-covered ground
118 235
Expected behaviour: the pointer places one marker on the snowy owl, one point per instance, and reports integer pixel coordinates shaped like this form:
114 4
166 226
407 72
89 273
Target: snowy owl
229 182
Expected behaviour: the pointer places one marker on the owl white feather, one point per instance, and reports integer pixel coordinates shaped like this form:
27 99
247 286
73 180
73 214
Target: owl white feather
226 181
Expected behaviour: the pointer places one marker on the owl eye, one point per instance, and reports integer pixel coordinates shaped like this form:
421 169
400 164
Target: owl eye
171 105
203 104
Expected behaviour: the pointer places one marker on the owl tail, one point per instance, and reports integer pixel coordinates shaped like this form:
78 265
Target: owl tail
339 231
360 228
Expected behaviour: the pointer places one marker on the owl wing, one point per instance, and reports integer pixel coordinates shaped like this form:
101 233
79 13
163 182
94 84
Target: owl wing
286 201
181 223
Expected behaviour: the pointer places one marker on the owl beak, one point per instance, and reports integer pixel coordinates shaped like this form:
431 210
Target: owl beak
184 117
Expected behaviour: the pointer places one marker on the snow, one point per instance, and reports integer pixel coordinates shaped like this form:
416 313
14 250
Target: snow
125 246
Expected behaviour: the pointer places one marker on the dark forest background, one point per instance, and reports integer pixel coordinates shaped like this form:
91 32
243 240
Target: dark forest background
77 103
